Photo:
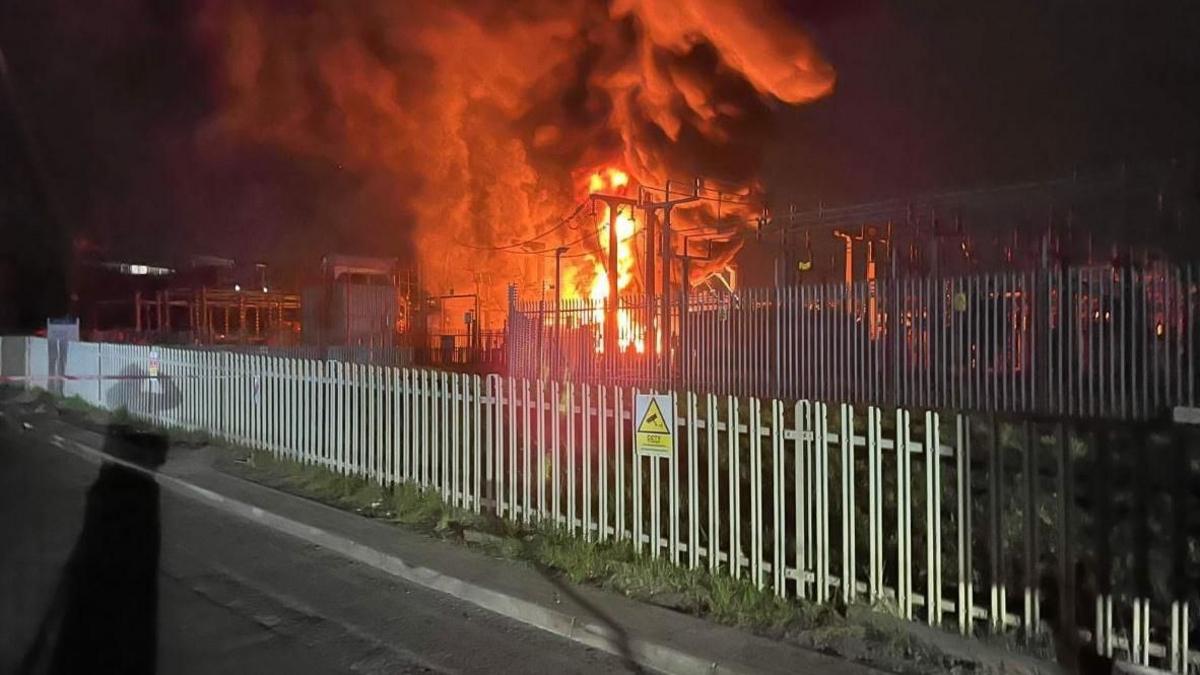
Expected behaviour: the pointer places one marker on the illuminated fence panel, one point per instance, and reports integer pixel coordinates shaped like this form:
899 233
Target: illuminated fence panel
974 526
1087 342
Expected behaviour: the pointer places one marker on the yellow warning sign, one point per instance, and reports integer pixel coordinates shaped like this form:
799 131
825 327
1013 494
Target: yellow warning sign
656 425
652 422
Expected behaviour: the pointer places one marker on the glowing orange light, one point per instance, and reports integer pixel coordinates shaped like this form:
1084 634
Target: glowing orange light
629 333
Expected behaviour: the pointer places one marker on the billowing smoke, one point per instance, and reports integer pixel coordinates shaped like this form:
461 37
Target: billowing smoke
482 119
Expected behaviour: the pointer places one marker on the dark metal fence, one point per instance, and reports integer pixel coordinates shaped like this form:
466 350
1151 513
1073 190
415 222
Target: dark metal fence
1087 341
479 352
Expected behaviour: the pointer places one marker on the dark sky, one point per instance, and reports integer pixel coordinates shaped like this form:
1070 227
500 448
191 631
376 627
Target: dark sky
119 94
930 95
936 95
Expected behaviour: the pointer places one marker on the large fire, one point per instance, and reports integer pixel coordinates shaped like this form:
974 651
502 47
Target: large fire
464 125
629 333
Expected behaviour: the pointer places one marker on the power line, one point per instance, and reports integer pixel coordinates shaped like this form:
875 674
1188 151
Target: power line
585 237
721 198
564 221
898 209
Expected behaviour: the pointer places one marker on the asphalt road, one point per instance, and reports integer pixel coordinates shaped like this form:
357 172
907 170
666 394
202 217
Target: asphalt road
225 596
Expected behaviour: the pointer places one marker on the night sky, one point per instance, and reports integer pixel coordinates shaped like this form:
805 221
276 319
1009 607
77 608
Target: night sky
940 95
118 96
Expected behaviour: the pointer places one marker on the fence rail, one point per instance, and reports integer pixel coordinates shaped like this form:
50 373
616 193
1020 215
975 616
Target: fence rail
953 522
1084 342
483 353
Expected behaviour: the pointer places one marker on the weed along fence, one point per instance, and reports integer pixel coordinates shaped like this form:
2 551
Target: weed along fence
981 528
1099 342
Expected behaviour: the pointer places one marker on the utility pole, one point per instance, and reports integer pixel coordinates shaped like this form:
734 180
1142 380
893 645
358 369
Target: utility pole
558 253
610 315
685 292
665 318
649 275
475 336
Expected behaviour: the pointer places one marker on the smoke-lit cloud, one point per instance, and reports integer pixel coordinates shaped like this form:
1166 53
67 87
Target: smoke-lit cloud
479 119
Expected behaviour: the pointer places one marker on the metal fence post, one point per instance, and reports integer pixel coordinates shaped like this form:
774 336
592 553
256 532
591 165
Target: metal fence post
933 519
966 588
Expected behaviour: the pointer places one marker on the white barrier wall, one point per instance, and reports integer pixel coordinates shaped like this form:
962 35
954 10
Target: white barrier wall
39 362
13 360
83 370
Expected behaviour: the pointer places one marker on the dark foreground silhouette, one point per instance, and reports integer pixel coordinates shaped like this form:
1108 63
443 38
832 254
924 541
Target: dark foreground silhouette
103 616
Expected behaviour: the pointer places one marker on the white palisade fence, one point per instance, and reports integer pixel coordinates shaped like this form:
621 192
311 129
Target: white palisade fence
805 499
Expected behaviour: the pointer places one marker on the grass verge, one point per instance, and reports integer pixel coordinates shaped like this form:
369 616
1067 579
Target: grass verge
860 633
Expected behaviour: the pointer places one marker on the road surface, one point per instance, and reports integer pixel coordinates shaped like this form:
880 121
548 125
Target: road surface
231 596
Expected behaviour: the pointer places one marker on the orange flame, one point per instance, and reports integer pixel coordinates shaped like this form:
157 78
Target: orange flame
630 334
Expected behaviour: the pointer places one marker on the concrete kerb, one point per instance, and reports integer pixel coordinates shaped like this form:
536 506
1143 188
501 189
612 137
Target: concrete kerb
577 628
